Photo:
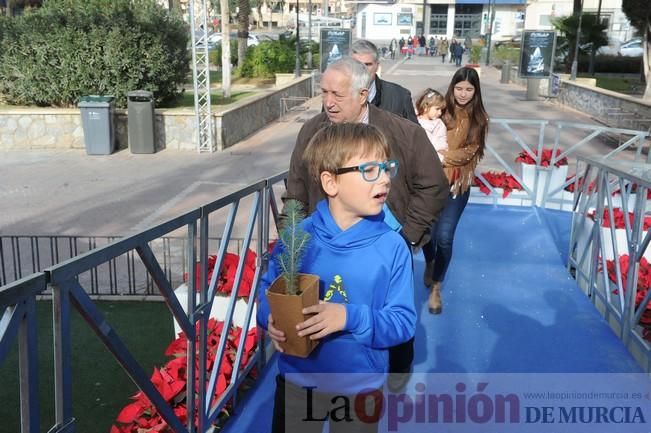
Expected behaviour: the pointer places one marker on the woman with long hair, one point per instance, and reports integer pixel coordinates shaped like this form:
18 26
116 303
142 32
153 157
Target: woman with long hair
466 121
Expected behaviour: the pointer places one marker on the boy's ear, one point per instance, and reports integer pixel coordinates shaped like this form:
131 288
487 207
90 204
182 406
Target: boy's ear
329 183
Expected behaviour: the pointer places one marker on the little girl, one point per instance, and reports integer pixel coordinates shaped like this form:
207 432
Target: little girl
429 109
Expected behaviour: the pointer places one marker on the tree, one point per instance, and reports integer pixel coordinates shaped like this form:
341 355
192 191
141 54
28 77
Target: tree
226 49
577 7
257 4
53 55
638 13
591 32
242 30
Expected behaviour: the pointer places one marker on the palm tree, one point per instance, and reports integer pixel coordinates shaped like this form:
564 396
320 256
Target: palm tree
638 13
244 10
591 32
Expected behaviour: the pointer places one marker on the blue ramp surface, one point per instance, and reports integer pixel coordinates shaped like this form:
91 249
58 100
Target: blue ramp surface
509 306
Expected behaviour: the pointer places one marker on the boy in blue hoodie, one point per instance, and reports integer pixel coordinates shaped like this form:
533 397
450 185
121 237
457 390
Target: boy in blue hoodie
366 287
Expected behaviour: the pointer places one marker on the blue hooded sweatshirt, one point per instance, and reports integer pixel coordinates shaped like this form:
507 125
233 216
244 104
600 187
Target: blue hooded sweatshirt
370 267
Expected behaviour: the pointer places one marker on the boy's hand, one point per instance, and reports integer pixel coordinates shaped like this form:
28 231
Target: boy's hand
277 336
328 318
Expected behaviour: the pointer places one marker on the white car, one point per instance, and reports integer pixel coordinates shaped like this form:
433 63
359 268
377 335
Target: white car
216 39
632 48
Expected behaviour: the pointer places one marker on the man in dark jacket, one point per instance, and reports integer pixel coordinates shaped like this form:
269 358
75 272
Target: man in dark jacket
384 94
418 192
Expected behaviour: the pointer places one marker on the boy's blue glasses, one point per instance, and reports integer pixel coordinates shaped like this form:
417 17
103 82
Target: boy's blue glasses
371 171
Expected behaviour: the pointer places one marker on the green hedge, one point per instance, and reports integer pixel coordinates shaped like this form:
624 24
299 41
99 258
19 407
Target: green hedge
267 58
66 49
270 57
215 54
611 64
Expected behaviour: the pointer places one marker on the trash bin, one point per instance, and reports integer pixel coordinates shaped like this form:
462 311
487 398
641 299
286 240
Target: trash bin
506 72
140 104
97 123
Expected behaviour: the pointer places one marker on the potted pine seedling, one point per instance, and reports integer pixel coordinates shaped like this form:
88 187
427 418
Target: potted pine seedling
292 291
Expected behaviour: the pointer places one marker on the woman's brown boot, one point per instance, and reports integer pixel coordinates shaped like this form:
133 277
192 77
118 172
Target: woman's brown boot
434 301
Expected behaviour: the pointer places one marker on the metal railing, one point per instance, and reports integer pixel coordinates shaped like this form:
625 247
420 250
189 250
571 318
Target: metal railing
596 245
124 275
569 139
18 322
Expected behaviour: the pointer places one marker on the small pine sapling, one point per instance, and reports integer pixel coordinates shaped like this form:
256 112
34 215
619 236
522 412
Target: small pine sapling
294 240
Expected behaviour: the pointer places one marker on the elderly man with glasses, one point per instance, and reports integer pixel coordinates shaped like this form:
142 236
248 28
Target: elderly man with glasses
418 192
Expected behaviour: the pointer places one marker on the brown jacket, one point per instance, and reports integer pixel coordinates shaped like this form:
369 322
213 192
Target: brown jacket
419 190
462 156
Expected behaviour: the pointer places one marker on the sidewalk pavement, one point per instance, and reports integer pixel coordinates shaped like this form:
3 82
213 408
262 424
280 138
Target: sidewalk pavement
71 193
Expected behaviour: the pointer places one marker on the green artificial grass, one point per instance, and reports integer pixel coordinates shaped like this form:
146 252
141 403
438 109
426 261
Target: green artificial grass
100 387
619 84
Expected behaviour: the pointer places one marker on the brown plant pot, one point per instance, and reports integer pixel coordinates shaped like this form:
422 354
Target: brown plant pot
286 311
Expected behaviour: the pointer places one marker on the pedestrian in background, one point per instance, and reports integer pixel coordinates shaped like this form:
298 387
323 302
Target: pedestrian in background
422 43
443 50
432 46
458 54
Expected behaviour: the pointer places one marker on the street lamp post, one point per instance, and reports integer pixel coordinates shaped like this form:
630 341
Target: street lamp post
491 23
309 34
575 61
297 71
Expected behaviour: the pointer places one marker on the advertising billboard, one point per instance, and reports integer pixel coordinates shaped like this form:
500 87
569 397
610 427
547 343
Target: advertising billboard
335 44
537 53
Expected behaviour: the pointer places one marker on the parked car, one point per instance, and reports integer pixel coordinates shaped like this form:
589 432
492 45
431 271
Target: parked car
216 39
604 50
632 48
514 42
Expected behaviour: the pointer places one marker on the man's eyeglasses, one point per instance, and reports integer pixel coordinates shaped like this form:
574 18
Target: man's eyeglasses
371 171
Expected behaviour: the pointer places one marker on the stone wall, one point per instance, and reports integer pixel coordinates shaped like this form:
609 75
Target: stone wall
583 95
595 101
52 128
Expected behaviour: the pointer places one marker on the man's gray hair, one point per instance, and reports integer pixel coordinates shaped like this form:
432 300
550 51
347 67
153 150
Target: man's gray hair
363 46
359 76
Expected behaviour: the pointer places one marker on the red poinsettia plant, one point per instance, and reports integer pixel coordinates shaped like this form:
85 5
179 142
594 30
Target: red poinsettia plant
497 180
226 277
570 187
141 416
643 284
633 190
619 221
546 157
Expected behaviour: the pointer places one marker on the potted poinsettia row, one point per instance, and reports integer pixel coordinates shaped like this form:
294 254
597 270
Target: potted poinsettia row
505 183
538 170
643 286
617 225
171 380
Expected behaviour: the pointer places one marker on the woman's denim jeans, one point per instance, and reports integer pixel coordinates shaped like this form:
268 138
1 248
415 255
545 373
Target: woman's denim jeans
439 249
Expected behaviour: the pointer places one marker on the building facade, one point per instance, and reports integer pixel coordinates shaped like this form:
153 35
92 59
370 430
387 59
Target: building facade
461 18
440 18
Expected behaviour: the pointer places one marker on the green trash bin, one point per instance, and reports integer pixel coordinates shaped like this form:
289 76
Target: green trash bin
97 123
140 104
